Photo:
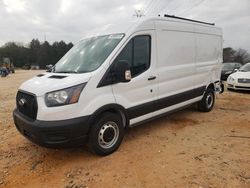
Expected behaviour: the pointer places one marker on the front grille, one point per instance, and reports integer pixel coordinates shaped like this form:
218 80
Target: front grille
26 104
243 80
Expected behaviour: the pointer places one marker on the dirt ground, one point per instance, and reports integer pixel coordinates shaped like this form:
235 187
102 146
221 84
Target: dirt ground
185 149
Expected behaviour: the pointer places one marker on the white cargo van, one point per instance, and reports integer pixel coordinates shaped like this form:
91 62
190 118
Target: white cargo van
126 75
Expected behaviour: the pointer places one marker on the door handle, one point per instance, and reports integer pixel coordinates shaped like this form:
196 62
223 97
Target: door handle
151 78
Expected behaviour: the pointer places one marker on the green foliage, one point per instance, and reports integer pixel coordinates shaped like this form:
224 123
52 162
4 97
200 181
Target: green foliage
36 53
231 55
228 54
43 54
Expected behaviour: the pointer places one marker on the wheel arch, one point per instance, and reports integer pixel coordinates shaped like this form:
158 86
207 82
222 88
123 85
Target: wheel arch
210 86
113 108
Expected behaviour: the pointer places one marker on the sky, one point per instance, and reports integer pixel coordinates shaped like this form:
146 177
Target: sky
71 20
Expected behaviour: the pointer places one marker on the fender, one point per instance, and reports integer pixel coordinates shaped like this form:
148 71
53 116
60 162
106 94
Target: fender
115 108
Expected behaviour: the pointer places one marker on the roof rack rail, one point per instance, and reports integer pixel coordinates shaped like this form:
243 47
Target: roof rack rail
176 17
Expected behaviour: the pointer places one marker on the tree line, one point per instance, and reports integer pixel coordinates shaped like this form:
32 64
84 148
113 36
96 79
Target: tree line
35 53
232 55
42 54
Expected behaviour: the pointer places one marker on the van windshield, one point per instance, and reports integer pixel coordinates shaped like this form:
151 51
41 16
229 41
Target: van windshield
88 54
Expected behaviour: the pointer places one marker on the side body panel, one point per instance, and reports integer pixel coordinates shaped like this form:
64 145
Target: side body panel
187 58
208 55
176 68
176 57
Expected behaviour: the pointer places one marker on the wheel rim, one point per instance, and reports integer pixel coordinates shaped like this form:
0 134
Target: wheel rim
108 135
209 100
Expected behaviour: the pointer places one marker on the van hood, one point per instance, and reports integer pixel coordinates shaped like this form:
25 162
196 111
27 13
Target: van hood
47 82
240 74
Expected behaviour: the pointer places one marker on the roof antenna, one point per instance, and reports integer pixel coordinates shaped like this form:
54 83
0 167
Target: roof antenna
139 13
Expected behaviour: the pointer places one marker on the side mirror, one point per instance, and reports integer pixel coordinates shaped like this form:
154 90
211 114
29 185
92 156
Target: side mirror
235 70
49 68
122 71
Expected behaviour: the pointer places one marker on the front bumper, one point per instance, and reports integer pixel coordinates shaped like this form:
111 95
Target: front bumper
53 134
238 86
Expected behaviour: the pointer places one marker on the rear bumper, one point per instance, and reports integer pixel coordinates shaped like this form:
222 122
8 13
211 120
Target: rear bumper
53 134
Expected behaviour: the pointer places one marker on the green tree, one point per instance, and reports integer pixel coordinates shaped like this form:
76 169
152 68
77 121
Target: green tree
34 51
17 53
228 54
44 55
242 56
59 49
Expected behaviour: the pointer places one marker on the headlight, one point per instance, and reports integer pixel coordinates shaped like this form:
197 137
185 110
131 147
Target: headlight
231 79
65 96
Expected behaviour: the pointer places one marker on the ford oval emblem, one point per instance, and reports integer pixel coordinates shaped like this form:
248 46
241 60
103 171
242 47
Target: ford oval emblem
22 102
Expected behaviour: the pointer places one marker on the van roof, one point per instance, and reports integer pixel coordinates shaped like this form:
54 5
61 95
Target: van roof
129 26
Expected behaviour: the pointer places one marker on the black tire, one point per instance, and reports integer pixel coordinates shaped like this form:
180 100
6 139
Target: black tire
222 88
207 102
106 134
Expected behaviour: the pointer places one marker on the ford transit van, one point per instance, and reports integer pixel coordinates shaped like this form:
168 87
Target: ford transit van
119 78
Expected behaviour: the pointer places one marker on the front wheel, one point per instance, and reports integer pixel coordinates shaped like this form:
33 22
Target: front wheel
207 102
106 134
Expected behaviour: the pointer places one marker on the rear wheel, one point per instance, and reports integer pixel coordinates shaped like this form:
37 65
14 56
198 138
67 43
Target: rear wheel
207 102
106 134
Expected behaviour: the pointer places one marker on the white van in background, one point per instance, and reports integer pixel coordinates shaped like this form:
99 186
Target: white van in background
120 78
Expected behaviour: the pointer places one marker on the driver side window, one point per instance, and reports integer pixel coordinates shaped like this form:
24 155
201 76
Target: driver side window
137 54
